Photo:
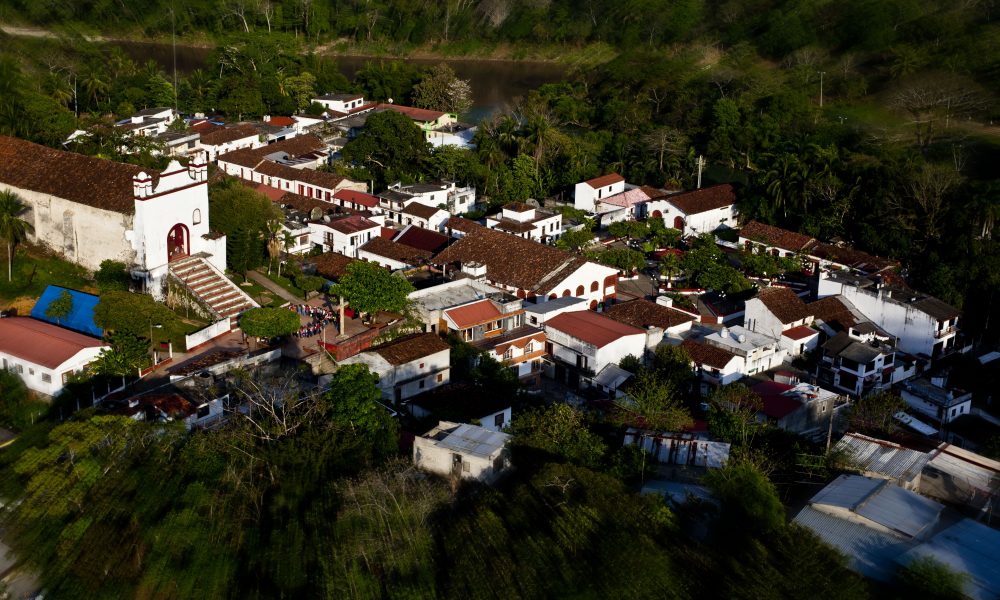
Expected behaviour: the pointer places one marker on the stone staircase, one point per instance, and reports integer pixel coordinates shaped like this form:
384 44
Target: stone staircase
216 291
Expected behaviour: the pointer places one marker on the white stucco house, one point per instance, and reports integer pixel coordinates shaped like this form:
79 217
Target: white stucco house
698 211
344 235
921 324
228 139
934 398
462 451
779 313
341 103
759 352
584 342
713 365
587 193
44 355
526 221
407 366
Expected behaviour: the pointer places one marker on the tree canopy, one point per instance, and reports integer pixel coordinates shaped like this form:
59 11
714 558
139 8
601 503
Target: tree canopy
268 323
369 288
391 148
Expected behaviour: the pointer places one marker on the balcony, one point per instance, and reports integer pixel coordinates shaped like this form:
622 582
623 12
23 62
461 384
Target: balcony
945 332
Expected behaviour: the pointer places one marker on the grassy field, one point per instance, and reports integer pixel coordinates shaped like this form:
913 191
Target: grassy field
34 269
283 282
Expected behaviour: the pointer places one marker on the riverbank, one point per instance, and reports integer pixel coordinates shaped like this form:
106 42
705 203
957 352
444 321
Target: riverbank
473 50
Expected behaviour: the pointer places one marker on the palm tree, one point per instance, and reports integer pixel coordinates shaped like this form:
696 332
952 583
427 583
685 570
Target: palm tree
95 85
13 229
275 242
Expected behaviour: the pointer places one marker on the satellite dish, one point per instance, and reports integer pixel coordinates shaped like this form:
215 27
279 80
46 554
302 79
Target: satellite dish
389 101
316 213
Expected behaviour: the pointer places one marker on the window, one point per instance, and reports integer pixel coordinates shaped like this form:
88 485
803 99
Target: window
421 365
440 377
529 347
508 354
466 467
493 326
46 378
203 411
196 216
579 290
594 286
31 371
421 384
498 420
20 368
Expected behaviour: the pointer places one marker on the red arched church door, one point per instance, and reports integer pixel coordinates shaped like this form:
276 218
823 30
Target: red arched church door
679 223
177 242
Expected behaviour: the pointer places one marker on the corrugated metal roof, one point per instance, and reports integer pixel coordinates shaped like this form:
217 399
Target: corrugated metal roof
881 502
884 458
870 552
470 439
966 547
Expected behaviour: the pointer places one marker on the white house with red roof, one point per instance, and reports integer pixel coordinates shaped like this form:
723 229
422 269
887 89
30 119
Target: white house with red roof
584 342
587 193
526 221
344 235
44 355
408 366
698 211
778 312
357 200
228 139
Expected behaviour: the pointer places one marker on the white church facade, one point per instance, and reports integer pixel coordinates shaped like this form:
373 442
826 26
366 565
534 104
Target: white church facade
89 210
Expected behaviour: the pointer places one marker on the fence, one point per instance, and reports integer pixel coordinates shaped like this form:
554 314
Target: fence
220 327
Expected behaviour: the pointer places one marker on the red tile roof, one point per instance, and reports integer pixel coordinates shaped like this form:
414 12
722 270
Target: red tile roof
82 179
331 265
410 348
353 224
775 236
856 259
423 239
381 246
42 343
705 354
271 192
800 333
784 304
295 147
228 134
359 198
511 260
421 211
642 313
476 313
417 114
604 180
833 311
281 121
705 199
591 327
773 403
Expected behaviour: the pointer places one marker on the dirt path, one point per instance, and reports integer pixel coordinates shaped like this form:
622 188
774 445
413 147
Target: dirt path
40 33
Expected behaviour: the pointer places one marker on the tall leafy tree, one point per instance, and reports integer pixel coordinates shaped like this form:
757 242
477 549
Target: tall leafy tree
13 228
391 148
369 288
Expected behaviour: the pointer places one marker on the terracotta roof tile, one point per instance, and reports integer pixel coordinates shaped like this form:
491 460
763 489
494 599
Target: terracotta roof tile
855 259
604 180
295 147
419 210
423 239
417 114
642 313
832 310
83 179
353 224
775 236
800 333
228 134
381 246
42 343
784 304
705 199
281 121
331 265
356 197
591 327
474 313
411 347
511 260
705 354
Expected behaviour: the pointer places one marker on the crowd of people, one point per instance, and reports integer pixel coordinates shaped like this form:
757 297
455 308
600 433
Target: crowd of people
320 316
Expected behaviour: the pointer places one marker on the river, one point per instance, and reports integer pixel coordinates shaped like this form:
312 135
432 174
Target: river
495 84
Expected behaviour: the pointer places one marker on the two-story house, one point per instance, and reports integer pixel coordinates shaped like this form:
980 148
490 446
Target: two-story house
344 235
520 349
779 313
391 255
581 343
759 352
407 366
587 193
713 365
526 221
485 318
858 365
934 398
921 324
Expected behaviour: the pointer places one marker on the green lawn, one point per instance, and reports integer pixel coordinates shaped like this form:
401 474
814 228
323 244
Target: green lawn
259 293
34 270
283 282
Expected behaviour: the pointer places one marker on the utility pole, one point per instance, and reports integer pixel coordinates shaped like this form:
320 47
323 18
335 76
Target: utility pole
821 74
701 165
173 38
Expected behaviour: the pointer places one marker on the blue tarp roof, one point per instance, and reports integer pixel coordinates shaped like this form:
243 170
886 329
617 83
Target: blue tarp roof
80 318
